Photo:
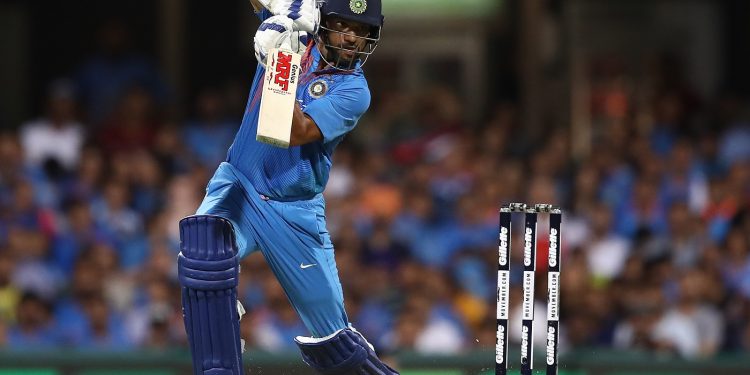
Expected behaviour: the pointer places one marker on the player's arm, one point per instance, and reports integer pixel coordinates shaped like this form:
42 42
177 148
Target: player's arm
329 117
335 114
304 128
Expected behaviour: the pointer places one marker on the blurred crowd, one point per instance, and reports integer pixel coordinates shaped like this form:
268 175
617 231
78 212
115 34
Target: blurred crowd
656 232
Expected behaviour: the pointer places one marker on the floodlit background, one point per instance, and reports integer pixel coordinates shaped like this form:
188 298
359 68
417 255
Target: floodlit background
632 115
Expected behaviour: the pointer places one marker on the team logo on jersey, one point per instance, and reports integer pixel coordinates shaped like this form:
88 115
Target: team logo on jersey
318 88
358 6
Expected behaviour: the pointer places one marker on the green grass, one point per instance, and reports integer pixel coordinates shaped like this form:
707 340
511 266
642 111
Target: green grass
126 372
537 371
28 371
417 8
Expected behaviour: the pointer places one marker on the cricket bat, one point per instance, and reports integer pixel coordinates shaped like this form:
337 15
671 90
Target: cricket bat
278 97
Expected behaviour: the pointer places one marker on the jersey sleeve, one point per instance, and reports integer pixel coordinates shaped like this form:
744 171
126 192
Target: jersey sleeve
338 112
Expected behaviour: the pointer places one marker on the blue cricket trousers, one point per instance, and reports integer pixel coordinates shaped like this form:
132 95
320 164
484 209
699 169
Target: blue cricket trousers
293 239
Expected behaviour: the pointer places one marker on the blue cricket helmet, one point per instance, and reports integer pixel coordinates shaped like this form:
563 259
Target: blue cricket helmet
367 12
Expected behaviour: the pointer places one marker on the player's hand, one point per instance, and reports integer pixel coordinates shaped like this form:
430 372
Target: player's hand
278 32
305 15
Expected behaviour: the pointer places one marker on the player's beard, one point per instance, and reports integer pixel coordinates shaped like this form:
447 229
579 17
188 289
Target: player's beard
342 56
344 59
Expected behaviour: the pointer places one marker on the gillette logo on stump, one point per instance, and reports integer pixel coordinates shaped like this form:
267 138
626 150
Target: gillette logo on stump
500 347
503 257
553 247
527 247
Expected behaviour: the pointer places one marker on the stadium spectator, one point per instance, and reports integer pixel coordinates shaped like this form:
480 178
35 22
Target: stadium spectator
656 238
209 135
132 125
54 141
9 292
35 328
104 77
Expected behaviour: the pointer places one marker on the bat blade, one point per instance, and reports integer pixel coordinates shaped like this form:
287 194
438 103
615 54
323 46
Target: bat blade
278 97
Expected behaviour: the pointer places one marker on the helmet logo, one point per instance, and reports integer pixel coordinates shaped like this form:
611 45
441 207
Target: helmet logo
358 6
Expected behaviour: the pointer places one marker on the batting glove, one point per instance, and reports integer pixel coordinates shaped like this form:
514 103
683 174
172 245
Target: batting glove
304 13
278 32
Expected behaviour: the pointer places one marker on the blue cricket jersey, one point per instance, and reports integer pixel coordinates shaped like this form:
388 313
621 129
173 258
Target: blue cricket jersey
335 100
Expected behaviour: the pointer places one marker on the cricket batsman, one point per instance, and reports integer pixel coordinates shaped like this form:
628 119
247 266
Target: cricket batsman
269 199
